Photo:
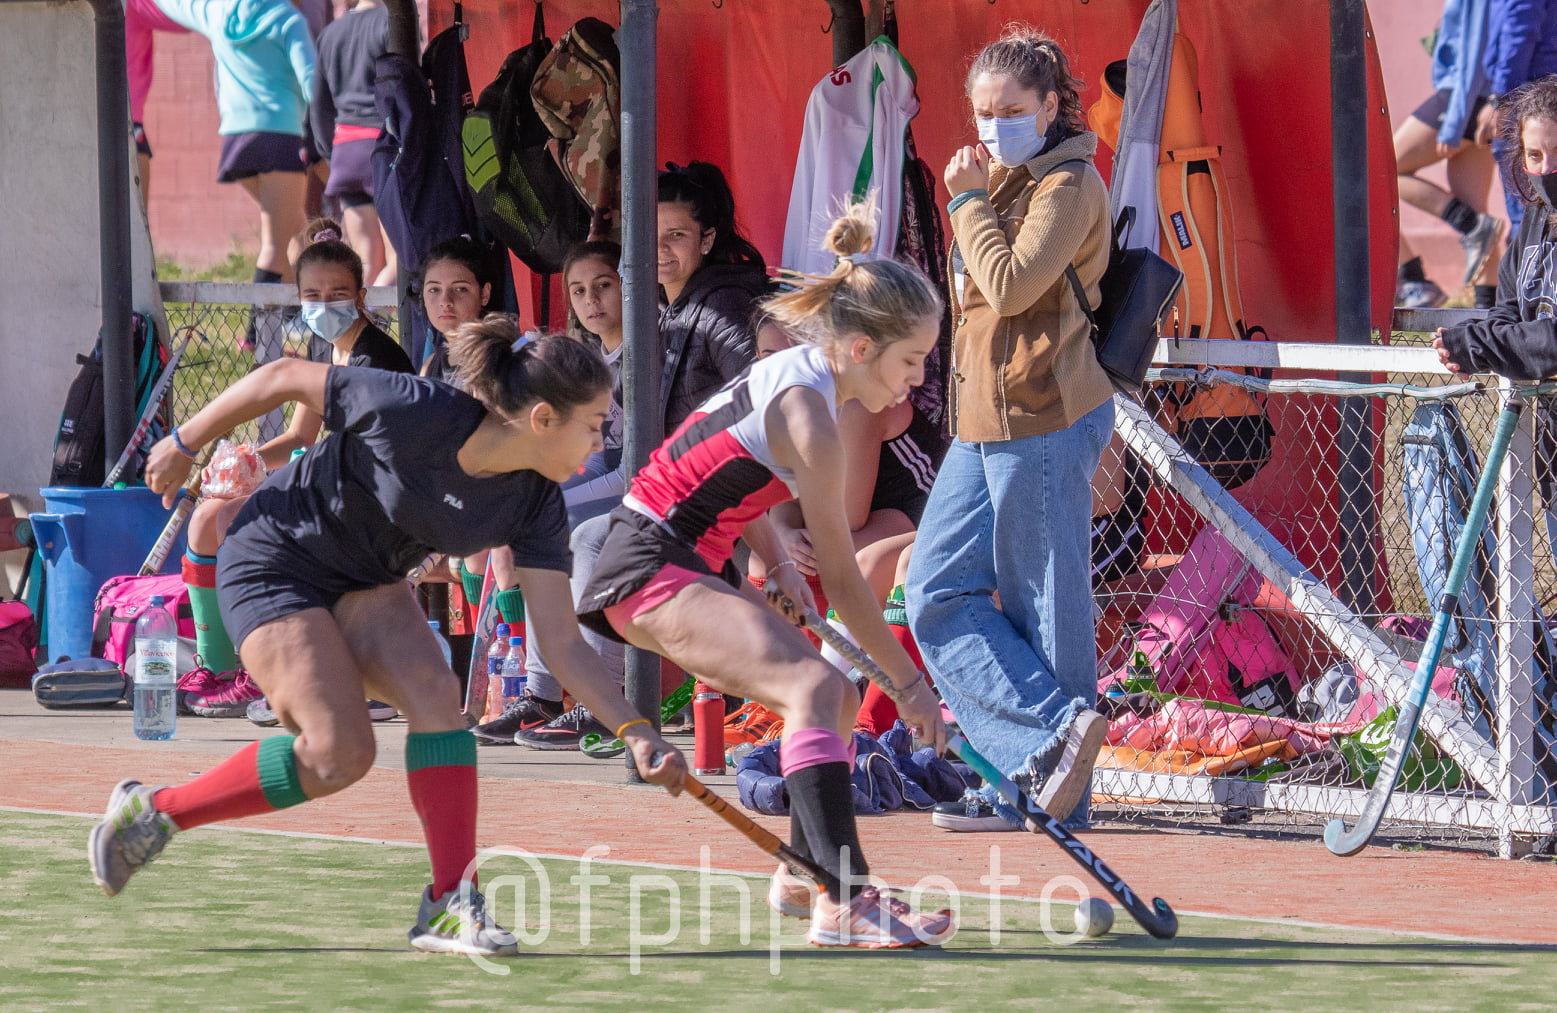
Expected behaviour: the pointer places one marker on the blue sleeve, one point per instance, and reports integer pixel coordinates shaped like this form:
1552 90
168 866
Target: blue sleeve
301 54
1467 81
1516 28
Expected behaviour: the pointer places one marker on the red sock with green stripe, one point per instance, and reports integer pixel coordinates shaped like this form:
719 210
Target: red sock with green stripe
441 770
259 778
877 711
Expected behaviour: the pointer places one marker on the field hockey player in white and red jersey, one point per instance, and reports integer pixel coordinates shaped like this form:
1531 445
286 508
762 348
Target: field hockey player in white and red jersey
311 585
664 580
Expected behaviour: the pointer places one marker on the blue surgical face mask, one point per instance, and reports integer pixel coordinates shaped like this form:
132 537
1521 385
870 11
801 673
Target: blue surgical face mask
1011 140
330 320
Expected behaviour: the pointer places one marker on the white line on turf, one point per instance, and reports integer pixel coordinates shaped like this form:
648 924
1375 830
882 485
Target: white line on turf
974 894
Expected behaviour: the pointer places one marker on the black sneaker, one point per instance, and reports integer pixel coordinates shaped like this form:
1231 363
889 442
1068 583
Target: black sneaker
380 711
527 712
969 814
563 732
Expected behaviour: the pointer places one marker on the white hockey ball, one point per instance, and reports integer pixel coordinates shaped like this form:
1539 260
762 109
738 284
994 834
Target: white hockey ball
1094 917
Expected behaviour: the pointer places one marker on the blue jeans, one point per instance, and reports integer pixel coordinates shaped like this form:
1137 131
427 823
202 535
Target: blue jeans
1014 518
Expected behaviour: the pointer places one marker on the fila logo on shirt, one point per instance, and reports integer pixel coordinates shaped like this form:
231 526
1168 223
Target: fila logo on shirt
456 504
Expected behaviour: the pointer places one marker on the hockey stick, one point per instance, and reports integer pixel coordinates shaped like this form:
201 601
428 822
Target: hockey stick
159 390
601 748
183 506
1338 839
1158 919
487 617
792 859
418 573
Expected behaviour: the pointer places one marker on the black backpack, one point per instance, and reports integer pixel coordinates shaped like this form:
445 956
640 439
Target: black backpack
522 195
81 443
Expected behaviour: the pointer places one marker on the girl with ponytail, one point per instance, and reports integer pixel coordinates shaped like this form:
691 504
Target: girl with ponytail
312 585
664 580
997 590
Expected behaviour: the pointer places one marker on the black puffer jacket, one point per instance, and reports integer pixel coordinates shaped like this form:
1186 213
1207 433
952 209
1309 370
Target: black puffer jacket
1518 339
707 335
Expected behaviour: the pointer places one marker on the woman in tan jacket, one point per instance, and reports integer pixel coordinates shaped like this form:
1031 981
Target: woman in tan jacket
998 592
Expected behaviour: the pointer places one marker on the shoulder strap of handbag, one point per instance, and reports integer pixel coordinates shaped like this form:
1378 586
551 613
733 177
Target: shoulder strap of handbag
1126 220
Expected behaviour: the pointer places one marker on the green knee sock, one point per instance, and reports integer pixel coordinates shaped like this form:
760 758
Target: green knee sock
471 583
511 604
211 641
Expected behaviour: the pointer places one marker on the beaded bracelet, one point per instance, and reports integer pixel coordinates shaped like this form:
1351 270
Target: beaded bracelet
179 445
783 562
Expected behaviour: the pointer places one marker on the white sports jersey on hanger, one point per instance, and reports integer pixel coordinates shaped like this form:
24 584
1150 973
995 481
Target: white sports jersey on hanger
852 145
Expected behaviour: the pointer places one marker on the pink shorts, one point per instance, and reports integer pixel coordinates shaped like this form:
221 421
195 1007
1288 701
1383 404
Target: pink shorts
661 588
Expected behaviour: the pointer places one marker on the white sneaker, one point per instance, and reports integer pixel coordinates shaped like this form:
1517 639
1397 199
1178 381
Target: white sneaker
458 922
131 833
1063 789
790 895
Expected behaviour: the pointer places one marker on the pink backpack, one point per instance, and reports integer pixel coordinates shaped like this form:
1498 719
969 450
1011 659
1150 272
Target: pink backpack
120 602
1202 638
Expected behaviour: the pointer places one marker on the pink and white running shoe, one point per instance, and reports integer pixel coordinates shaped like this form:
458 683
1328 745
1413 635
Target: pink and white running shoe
229 698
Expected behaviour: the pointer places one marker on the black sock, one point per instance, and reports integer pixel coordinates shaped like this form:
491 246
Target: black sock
262 276
1459 214
797 833
1486 296
1411 270
822 797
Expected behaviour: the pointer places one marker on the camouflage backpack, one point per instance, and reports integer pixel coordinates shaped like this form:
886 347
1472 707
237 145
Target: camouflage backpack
577 94
522 195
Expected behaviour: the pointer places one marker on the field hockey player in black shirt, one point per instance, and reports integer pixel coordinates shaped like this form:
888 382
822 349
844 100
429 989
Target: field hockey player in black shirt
311 584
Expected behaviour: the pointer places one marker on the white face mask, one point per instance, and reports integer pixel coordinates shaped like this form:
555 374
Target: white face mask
330 320
1011 140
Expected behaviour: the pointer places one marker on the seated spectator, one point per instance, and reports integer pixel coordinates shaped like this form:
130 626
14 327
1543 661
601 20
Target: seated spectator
329 283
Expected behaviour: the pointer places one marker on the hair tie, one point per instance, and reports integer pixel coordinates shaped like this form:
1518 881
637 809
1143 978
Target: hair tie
326 236
520 342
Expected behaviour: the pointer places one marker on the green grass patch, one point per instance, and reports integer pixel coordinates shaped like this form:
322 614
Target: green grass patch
227 920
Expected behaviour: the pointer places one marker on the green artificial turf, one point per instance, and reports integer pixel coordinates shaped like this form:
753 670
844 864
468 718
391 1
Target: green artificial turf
242 921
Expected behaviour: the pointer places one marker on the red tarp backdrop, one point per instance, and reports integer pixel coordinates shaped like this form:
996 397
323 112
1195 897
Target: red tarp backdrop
733 83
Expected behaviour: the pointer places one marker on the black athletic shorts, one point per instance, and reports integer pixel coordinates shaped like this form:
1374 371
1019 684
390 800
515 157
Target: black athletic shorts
635 549
1432 111
261 577
351 173
260 151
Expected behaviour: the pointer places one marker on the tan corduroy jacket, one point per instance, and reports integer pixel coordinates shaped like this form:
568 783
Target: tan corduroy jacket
1022 359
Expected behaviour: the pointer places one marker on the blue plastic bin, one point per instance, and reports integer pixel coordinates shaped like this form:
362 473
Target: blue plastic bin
86 536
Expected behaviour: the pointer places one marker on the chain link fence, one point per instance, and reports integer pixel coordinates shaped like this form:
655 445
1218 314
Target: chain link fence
237 327
1259 633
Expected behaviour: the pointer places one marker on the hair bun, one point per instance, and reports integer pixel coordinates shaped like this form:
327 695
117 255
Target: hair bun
853 233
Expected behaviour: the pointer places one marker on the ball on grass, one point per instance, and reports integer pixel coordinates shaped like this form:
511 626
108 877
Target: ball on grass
1094 917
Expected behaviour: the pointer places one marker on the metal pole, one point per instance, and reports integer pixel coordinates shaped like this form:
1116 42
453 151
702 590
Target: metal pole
1353 319
113 208
404 40
642 358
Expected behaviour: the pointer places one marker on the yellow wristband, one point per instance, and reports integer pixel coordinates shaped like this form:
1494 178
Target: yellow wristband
634 721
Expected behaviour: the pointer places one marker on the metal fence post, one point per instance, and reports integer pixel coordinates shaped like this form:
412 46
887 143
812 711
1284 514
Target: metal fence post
642 359
1349 173
1516 640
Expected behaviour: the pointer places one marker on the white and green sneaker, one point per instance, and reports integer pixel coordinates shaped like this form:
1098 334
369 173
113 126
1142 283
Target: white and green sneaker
458 922
131 833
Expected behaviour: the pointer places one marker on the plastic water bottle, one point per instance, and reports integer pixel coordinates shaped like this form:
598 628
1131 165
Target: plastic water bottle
156 672
497 652
443 644
513 671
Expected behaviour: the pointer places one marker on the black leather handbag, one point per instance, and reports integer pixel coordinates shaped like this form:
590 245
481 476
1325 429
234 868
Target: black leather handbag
1135 294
